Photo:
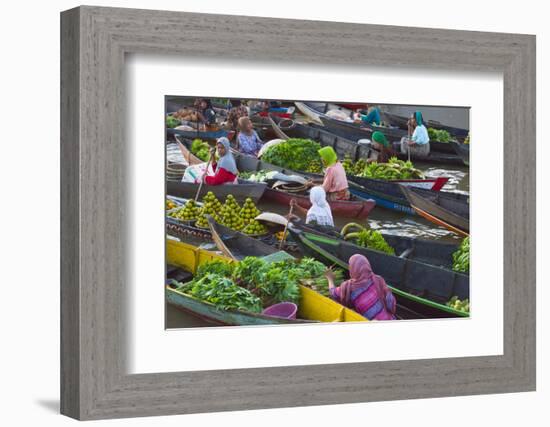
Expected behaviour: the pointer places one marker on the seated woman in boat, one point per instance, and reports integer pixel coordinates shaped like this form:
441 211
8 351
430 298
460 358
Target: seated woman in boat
365 292
382 150
205 112
335 182
319 213
369 116
248 141
419 142
225 168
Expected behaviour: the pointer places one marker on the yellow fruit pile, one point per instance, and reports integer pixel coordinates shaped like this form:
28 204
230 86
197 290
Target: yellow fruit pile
188 212
249 211
280 234
211 206
170 204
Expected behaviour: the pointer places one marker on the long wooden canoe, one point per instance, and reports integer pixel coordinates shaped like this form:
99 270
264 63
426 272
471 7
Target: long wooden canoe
356 131
432 157
463 151
388 194
421 289
401 121
236 245
450 210
241 191
198 133
436 253
312 306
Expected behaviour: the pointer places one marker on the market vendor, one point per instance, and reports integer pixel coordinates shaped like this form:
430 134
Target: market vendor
248 141
319 213
335 182
419 142
369 115
365 292
225 169
205 111
237 111
382 150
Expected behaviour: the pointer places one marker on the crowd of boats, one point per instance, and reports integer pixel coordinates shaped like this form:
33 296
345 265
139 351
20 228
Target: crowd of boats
419 273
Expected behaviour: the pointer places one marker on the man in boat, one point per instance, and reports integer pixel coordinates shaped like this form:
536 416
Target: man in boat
248 141
205 112
225 169
319 213
419 142
381 149
335 182
365 292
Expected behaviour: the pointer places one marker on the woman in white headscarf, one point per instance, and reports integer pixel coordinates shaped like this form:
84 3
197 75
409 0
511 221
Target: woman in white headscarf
319 213
225 168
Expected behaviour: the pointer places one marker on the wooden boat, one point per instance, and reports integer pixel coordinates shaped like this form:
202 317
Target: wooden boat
433 252
401 121
432 157
463 151
241 191
450 210
312 307
236 245
204 135
310 112
421 290
356 131
388 194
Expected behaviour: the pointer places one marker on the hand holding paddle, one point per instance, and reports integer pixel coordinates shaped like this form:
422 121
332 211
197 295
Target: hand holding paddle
212 152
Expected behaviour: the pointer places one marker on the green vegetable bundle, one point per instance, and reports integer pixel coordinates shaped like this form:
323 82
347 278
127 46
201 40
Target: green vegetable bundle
394 169
439 135
171 122
459 305
200 149
367 238
223 293
295 153
461 258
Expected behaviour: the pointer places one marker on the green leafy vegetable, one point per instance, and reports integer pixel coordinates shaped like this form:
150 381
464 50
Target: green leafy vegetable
200 149
295 153
439 135
215 267
171 122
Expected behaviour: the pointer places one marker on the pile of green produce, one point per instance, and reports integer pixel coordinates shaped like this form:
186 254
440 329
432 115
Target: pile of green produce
354 168
223 293
394 169
467 140
254 283
461 258
188 212
366 238
459 305
296 154
211 206
439 135
200 149
172 122
248 214
230 214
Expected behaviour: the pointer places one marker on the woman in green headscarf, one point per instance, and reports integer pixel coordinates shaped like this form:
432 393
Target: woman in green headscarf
381 148
335 183
419 142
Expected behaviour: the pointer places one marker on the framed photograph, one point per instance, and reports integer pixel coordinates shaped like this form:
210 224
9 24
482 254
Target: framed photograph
296 213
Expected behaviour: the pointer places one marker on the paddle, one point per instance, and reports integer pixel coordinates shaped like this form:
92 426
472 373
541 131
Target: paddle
203 177
286 228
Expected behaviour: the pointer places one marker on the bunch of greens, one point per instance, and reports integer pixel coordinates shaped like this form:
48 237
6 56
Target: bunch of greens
295 153
200 149
439 135
367 238
394 169
215 267
467 140
461 258
223 293
171 122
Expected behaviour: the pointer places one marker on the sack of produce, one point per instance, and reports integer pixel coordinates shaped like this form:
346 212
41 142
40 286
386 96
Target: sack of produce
194 173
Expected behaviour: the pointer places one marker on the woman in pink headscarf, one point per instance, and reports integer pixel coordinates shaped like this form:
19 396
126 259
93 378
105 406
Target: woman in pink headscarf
365 292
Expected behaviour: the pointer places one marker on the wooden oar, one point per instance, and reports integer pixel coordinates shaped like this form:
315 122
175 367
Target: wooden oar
286 228
203 177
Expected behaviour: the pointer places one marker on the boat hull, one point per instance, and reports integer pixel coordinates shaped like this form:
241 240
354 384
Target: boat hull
241 192
463 151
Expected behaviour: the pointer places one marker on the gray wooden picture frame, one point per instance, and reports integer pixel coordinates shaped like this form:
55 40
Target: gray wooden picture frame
94 41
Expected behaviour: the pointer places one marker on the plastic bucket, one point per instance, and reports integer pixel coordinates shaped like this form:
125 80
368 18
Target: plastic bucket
286 310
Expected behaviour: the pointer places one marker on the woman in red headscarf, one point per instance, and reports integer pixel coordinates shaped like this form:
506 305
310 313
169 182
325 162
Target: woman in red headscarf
365 292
